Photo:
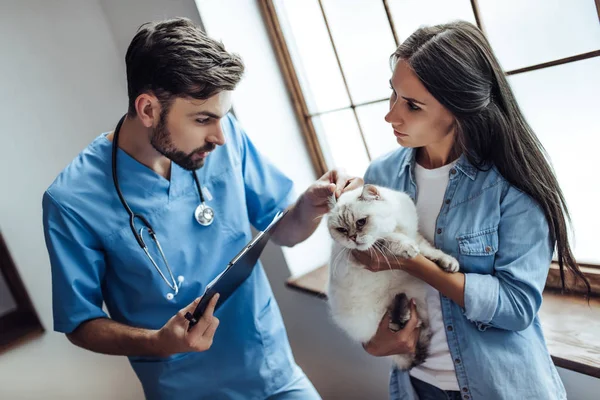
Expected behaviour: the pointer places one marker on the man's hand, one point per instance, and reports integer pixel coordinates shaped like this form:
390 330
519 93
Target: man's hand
387 343
318 195
305 216
174 336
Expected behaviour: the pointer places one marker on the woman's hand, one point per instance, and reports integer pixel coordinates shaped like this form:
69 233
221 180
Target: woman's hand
387 343
374 261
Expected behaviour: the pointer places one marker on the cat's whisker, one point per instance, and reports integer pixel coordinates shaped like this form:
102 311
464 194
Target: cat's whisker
376 255
383 254
389 251
337 259
348 256
334 262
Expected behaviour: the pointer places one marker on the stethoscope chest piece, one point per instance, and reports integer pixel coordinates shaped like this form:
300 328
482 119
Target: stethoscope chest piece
204 214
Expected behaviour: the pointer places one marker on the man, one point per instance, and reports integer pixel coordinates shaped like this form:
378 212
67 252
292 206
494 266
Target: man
177 125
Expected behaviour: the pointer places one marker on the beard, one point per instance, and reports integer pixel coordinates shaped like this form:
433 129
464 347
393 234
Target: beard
162 142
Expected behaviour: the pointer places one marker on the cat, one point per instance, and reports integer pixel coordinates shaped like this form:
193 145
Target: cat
382 221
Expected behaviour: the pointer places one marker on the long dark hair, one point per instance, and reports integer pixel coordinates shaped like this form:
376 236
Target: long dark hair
456 64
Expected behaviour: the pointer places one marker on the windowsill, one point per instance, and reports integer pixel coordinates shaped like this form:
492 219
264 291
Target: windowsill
570 325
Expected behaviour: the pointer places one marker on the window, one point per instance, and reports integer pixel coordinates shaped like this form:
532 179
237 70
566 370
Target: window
335 57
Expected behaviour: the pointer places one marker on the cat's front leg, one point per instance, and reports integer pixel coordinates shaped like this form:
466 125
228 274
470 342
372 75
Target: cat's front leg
400 245
443 260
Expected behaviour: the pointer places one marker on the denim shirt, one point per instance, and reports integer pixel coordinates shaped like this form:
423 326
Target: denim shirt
501 239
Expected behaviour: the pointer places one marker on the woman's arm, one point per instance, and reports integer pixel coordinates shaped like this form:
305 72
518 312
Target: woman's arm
451 285
510 297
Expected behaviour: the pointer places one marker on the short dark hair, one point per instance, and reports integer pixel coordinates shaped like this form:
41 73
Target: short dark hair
175 58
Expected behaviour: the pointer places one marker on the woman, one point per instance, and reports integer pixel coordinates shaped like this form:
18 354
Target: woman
485 194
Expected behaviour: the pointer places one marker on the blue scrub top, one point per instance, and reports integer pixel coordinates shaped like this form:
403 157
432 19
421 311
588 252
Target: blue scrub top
95 258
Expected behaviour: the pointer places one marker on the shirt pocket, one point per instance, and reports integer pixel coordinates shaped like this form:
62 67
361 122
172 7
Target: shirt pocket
477 250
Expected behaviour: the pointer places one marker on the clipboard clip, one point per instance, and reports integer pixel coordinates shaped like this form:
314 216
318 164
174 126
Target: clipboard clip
190 317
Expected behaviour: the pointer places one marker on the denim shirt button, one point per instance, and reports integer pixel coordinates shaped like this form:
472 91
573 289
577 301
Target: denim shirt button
447 201
457 360
450 328
465 389
453 171
466 397
439 230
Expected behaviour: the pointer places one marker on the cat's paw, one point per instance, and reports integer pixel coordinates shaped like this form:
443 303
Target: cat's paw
407 250
448 263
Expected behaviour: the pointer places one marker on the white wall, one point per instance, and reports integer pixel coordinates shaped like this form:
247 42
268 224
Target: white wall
124 17
62 80
61 85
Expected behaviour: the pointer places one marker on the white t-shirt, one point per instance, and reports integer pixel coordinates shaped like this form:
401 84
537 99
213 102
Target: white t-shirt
438 368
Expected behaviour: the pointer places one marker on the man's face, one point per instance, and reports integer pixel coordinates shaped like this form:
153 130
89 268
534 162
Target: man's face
190 129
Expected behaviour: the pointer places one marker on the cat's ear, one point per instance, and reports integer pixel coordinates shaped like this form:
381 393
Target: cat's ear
370 193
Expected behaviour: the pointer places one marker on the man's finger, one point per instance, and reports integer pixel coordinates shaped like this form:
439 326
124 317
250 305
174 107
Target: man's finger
323 190
207 317
212 328
354 183
191 307
210 309
341 182
332 176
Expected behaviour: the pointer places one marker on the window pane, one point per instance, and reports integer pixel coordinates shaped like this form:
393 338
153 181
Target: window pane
408 15
312 54
341 141
525 33
561 105
364 41
378 133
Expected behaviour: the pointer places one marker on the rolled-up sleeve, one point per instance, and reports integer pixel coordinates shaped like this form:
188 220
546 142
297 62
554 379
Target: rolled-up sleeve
511 297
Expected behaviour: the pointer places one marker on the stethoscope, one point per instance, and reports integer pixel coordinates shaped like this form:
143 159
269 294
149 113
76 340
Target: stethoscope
204 214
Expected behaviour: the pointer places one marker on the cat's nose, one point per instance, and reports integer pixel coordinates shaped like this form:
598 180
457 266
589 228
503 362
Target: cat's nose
353 238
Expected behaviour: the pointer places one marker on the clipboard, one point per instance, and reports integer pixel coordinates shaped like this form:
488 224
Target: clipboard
236 272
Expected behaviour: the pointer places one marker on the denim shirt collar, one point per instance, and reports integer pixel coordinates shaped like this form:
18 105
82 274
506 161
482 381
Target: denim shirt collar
462 164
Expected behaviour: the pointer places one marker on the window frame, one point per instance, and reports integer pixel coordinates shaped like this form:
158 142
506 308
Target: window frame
304 117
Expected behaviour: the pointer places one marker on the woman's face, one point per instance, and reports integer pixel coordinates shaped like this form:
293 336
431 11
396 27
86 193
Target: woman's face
418 119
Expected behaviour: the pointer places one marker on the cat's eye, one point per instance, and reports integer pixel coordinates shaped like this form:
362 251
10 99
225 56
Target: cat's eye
342 230
361 222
